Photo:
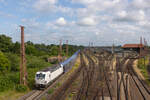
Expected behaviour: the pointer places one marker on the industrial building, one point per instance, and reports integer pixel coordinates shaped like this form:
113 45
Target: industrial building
133 47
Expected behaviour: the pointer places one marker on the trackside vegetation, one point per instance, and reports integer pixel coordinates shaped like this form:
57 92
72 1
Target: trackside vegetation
36 59
143 65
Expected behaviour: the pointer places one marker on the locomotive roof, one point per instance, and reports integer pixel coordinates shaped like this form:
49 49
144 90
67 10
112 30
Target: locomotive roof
52 68
69 59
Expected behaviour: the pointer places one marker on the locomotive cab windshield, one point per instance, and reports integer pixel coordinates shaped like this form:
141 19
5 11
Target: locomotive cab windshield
40 76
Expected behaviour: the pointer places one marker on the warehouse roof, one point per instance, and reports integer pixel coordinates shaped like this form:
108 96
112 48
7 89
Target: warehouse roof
133 46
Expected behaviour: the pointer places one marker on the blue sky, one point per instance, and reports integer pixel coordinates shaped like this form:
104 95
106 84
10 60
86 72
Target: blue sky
80 21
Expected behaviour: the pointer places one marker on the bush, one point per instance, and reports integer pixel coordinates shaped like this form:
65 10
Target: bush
4 63
31 76
5 84
14 77
14 60
21 88
36 62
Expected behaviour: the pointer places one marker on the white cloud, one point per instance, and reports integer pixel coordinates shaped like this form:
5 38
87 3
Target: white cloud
42 5
30 23
130 16
45 2
50 6
141 4
84 1
87 21
61 21
122 14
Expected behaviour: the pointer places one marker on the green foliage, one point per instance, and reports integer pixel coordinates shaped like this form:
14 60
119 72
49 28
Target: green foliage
5 43
14 61
21 88
45 57
54 50
16 48
4 63
6 84
70 95
144 68
36 62
14 77
58 84
51 91
31 50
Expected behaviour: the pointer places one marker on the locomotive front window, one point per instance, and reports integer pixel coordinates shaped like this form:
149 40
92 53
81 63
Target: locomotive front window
40 76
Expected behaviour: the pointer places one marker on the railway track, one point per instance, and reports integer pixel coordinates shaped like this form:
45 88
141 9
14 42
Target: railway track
126 77
31 95
108 85
120 75
34 95
87 77
92 77
105 93
59 94
142 90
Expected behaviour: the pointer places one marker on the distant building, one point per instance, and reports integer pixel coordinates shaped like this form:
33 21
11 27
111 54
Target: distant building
133 47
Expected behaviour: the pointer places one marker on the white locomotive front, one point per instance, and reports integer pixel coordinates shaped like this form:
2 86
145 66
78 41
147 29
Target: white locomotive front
44 77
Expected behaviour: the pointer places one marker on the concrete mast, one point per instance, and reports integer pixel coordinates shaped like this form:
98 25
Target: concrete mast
23 72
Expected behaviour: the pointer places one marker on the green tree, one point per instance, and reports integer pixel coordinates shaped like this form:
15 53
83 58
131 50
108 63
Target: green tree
54 50
5 43
4 63
31 50
16 48
14 61
29 43
36 62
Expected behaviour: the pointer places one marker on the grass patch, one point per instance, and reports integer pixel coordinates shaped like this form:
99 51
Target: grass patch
71 95
58 84
43 98
51 91
143 68
11 95
21 88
